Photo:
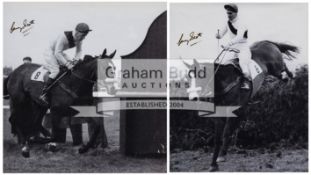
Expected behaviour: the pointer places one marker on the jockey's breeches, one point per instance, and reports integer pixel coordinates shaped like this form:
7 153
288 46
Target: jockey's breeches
244 57
51 64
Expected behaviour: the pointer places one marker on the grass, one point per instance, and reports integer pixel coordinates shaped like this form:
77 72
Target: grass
68 160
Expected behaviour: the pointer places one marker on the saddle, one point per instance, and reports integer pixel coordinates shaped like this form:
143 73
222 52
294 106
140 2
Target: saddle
225 73
235 64
257 75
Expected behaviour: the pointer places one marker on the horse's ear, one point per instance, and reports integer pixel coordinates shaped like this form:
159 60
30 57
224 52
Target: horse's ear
196 63
104 53
112 55
186 64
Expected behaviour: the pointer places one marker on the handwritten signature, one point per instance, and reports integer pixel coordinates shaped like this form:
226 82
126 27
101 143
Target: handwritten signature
192 40
24 28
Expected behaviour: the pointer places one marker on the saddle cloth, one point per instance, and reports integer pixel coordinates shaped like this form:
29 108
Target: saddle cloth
253 67
40 74
258 76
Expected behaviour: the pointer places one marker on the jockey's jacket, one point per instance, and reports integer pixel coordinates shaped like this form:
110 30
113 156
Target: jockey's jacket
237 32
63 42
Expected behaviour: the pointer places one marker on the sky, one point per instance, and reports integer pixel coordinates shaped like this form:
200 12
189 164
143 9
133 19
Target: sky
286 22
120 26
123 26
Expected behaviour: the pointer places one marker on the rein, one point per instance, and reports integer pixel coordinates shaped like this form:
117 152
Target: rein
87 80
84 79
215 72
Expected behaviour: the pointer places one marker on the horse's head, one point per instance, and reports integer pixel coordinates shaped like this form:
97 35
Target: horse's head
94 69
271 56
106 72
199 78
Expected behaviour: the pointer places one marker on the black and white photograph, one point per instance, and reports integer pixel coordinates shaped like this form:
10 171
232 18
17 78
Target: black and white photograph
155 87
60 113
251 114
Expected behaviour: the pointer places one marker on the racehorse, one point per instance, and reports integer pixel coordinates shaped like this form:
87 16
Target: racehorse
227 78
26 109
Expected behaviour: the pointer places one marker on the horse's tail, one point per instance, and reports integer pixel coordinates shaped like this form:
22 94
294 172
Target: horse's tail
5 88
285 48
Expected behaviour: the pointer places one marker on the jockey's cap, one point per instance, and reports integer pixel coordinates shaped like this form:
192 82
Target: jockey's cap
231 7
83 28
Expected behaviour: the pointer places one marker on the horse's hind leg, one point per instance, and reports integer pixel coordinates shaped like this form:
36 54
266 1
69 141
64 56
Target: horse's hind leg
289 73
24 141
26 149
13 121
16 129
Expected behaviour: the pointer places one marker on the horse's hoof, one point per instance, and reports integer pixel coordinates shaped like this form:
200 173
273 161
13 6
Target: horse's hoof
83 149
26 154
104 145
213 168
25 151
221 159
51 147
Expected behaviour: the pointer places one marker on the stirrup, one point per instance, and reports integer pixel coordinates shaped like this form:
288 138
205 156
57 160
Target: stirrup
43 98
245 85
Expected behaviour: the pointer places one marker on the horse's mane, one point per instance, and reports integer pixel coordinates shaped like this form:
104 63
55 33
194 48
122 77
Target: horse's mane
86 59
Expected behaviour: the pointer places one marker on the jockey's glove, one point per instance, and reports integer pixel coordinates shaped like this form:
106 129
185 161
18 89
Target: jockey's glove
69 64
75 61
218 36
225 47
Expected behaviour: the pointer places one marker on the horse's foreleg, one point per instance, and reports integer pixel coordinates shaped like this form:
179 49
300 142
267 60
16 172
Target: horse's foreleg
228 130
45 132
58 133
92 140
218 134
103 135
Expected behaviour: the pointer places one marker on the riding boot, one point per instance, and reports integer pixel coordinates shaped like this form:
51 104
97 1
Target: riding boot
44 94
246 83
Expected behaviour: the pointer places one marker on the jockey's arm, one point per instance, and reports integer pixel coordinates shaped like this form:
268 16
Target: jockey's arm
222 32
59 50
78 54
239 38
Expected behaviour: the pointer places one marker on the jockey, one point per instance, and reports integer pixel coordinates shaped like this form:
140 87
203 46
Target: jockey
238 40
55 56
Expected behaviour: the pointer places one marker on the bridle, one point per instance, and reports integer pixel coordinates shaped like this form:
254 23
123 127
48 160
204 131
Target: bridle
88 80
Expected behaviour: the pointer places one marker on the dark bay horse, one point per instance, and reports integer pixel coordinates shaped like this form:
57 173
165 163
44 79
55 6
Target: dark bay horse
27 111
269 56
